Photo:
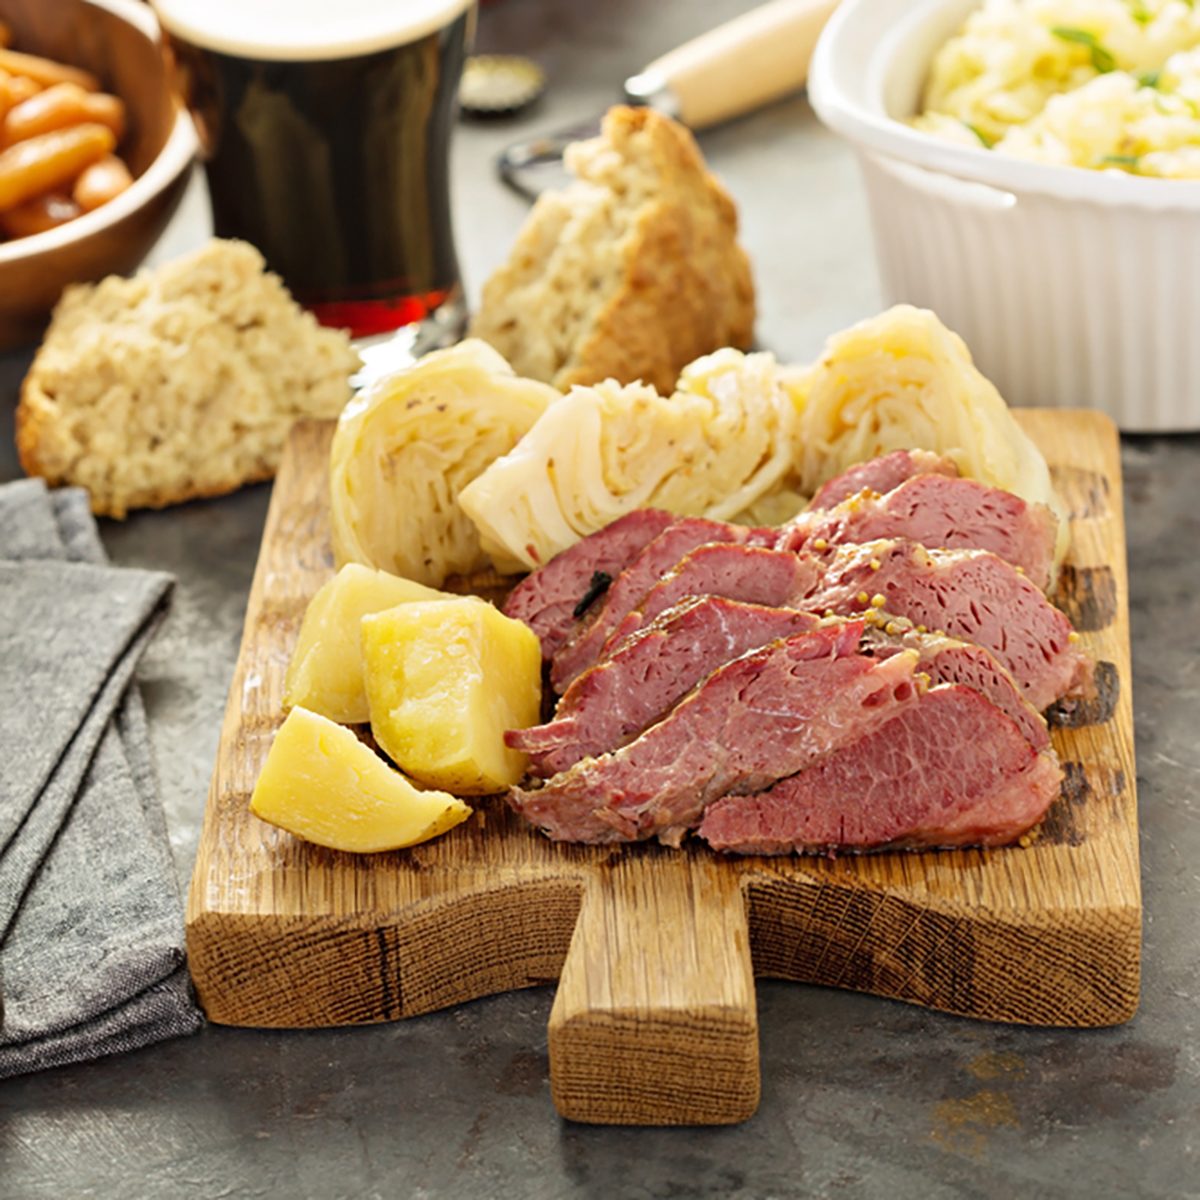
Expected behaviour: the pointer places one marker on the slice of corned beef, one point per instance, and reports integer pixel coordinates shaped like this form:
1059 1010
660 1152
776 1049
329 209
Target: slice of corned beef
549 600
971 595
881 475
612 702
939 512
750 573
947 660
639 576
951 770
759 718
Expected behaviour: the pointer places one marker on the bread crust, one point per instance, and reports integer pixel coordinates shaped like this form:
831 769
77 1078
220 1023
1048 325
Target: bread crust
178 384
682 285
34 424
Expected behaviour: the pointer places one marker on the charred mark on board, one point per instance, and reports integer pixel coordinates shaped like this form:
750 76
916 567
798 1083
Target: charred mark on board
1063 823
1085 492
1088 595
1075 714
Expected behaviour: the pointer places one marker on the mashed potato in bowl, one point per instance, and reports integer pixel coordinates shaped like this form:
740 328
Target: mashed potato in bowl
1102 84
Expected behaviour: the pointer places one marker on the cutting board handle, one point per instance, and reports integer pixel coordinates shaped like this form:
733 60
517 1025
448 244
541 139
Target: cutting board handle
655 1022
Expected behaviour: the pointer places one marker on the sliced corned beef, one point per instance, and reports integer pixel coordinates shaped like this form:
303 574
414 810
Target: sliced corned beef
951 770
655 559
759 718
942 513
750 573
549 600
881 475
971 595
615 700
947 660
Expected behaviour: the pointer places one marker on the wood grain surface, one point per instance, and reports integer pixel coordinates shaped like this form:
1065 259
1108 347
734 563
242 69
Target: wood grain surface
655 950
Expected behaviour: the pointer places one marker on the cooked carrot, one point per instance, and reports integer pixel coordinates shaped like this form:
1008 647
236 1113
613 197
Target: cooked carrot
45 71
58 107
43 212
17 89
100 182
44 163
106 109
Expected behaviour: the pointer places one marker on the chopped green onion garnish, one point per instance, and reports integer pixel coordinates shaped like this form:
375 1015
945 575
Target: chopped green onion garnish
1121 160
1140 13
1148 79
1102 60
988 142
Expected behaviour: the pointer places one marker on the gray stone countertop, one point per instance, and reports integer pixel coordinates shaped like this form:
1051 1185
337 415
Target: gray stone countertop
861 1097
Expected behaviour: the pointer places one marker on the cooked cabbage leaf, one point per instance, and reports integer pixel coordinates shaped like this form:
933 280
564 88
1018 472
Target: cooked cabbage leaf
407 445
717 446
903 381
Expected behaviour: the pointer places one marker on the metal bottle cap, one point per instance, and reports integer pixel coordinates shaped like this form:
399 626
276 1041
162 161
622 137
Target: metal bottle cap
499 84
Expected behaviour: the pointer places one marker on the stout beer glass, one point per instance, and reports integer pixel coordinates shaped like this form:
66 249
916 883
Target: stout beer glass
325 126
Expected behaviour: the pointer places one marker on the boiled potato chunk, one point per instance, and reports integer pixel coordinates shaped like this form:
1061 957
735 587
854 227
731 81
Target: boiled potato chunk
323 785
326 671
445 679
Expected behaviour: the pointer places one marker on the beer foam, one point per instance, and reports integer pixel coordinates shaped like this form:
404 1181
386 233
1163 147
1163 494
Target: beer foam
304 30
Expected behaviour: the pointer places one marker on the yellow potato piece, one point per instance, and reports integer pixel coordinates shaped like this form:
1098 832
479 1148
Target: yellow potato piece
444 680
323 785
326 671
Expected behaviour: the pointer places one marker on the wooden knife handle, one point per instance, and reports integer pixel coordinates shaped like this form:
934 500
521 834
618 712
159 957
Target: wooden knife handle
739 66
655 1022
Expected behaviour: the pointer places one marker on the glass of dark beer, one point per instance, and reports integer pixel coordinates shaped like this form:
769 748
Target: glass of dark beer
325 127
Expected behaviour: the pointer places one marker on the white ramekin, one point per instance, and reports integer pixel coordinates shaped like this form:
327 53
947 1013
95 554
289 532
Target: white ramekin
1071 287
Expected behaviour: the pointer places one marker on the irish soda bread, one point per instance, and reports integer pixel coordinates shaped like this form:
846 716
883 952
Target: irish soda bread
179 383
630 272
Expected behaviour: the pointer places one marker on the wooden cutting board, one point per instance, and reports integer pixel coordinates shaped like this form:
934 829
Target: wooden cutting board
655 951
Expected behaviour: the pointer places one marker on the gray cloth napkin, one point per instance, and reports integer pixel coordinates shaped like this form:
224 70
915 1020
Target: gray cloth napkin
91 931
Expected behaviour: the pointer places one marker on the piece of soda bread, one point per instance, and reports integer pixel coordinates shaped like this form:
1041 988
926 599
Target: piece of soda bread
631 272
178 383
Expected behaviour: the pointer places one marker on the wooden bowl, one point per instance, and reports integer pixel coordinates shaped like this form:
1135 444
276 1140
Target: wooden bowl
119 41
